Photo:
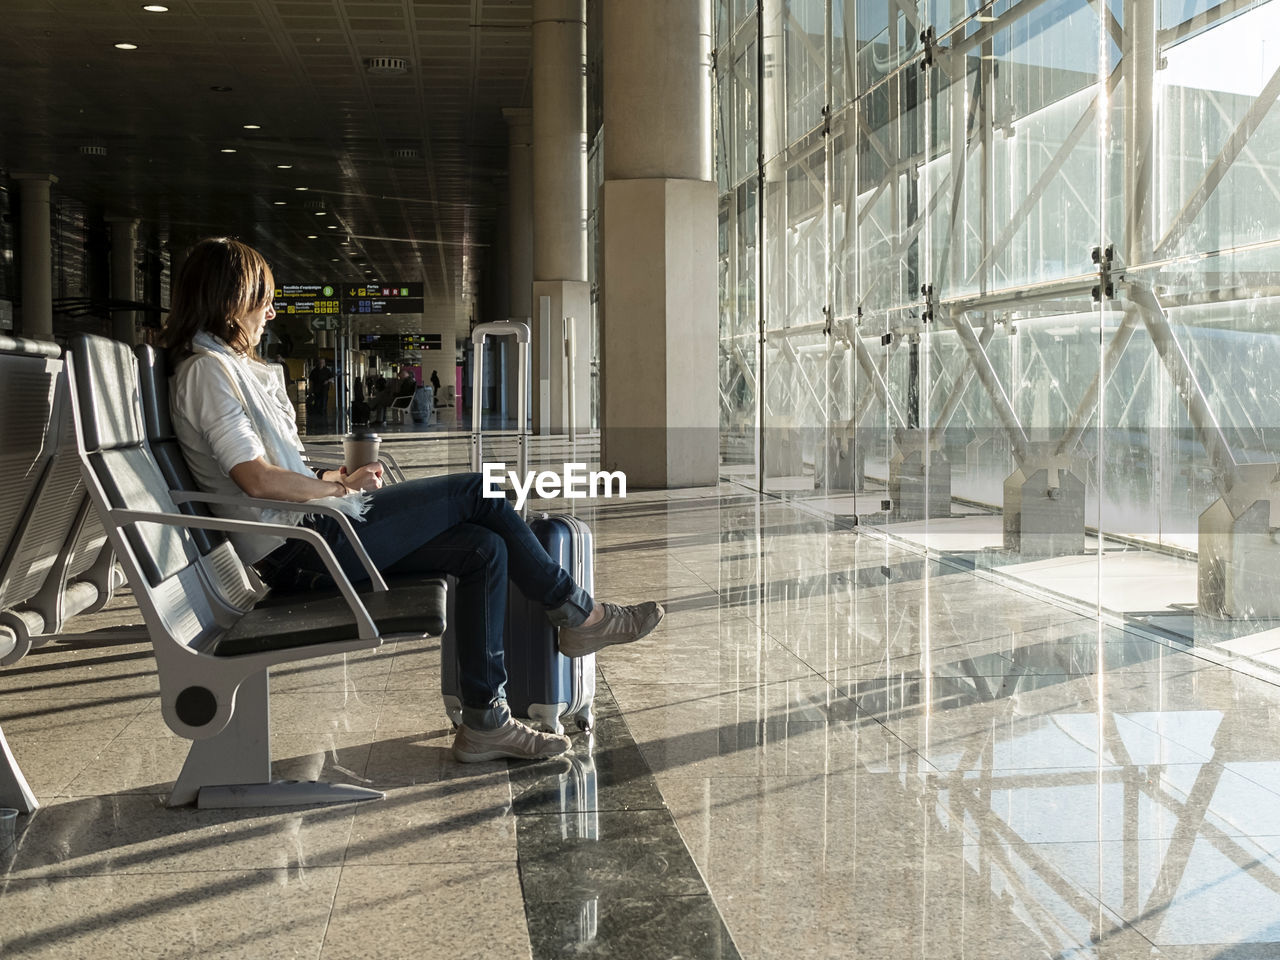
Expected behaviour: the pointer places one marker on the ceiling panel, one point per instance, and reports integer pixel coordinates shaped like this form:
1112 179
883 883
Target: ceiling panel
297 69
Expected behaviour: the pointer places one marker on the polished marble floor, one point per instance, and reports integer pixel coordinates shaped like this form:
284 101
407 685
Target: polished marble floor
833 747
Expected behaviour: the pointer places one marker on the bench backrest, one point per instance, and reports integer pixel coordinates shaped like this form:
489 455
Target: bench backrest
153 381
48 535
161 562
30 404
221 564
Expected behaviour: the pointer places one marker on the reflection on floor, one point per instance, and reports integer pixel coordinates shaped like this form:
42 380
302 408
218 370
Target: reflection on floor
832 747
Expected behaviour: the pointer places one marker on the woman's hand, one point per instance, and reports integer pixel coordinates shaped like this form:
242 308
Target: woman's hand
368 477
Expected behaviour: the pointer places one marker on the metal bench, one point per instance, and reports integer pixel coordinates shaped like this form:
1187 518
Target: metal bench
214 629
53 564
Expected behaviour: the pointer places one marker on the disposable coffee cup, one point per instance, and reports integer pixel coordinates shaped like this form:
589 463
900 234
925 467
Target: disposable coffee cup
359 449
8 827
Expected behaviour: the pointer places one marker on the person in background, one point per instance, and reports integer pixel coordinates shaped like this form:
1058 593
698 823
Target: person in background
435 389
406 386
238 433
318 387
382 394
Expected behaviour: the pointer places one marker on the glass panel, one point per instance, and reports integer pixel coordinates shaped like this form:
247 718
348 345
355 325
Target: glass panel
795 395
746 95
1218 133
804 30
958 174
967 432
1043 84
738 224
843 73
888 36
890 141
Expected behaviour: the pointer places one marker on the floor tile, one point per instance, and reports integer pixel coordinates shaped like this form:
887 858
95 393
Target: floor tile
795 728
605 771
465 820
243 913
139 836
611 855
859 866
462 911
631 929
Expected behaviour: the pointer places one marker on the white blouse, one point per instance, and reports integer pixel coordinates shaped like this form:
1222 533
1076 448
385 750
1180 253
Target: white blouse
216 434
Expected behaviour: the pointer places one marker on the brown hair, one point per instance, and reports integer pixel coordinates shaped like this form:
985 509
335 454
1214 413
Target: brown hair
221 281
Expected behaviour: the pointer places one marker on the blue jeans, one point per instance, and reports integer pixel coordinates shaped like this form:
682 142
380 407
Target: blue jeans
444 525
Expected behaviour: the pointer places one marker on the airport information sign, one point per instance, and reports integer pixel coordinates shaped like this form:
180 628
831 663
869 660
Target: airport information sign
382 298
307 298
420 341
323 299
400 342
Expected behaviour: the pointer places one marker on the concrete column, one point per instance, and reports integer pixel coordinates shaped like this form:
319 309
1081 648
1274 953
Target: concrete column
559 167
124 255
660 418
519 232
36 251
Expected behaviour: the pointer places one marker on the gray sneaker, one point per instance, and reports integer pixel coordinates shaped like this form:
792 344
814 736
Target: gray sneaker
514 740
618 625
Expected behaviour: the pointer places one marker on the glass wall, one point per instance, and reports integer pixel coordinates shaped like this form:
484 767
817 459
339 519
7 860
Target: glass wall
996 278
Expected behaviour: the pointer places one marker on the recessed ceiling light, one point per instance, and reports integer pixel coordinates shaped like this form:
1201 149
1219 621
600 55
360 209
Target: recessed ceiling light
126 46
332 226
284 166
335 260
299 188
345 243
228 150
155 8
253 126
279 203
320 213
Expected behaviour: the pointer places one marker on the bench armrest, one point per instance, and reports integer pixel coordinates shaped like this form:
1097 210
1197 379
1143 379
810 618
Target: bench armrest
366 629
306 506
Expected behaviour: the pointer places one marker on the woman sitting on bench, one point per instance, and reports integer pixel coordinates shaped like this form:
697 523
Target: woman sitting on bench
238 433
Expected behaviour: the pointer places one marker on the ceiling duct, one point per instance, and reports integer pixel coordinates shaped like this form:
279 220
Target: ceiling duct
386 66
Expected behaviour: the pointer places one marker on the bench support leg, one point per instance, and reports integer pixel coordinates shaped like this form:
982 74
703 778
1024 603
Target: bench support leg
233 769
14 790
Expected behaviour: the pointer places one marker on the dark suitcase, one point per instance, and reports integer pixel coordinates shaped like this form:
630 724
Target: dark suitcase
542 685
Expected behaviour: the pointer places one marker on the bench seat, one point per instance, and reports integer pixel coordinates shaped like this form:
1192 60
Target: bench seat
409 605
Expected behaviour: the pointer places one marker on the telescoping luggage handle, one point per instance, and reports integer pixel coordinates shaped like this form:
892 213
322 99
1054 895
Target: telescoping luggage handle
501 328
